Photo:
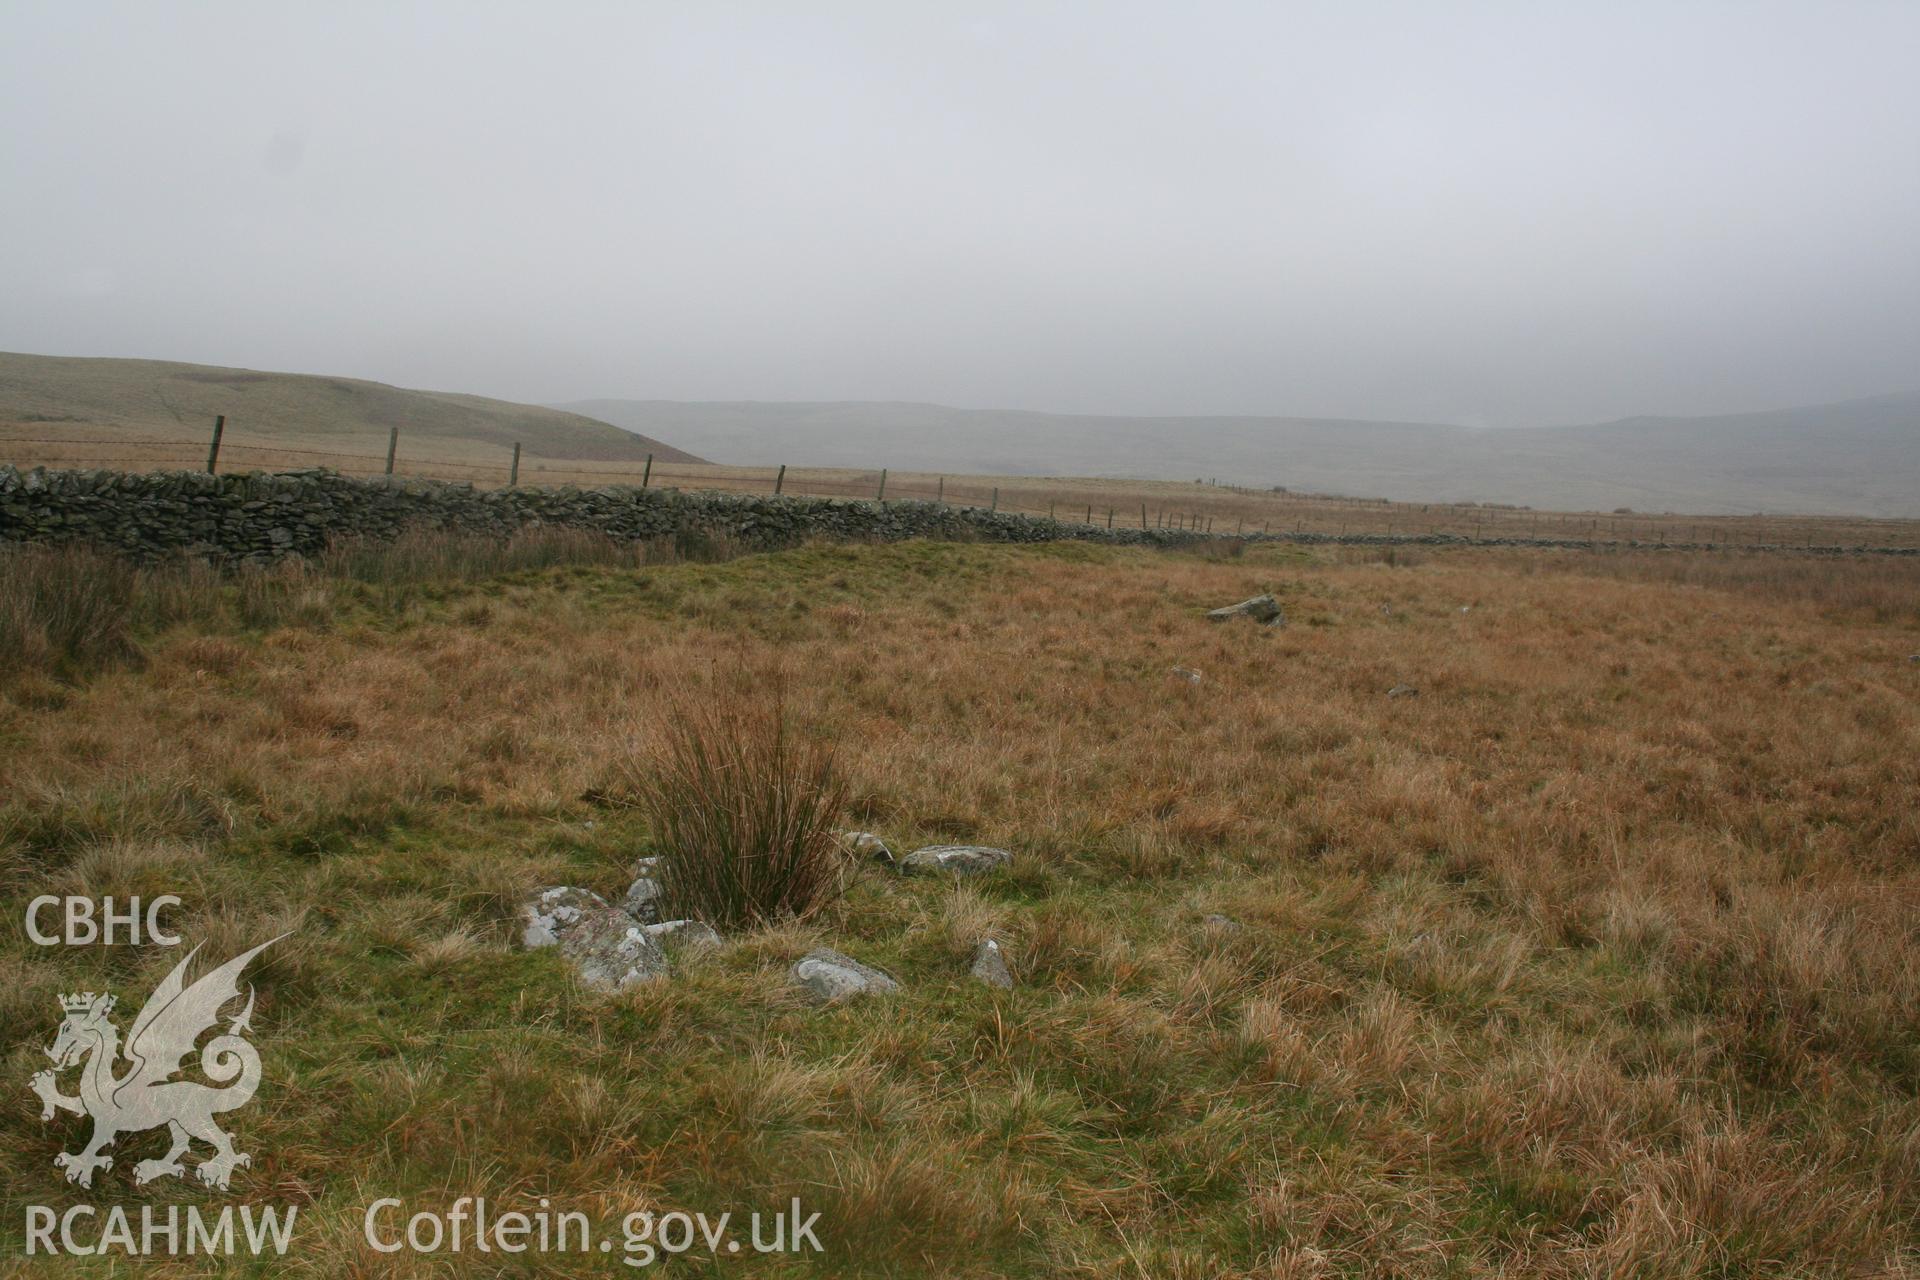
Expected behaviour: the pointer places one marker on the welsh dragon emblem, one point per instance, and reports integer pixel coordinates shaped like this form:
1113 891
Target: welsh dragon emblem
145 1096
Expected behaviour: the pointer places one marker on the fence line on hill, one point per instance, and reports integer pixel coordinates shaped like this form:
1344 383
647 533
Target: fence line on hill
1254 510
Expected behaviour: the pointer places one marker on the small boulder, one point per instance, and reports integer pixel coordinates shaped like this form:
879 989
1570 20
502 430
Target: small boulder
865 844
643 900
1219 923
648 866
990 965
830 977
1264 610
685 933
1186 674
961 859
608 950
1403 691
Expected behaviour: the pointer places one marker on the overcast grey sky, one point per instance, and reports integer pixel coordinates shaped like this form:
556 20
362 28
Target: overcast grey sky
1496 213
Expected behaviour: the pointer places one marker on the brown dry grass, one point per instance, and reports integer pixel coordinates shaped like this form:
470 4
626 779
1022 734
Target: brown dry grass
1598 957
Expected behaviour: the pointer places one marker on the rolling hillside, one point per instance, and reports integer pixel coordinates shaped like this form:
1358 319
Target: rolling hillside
156 399
1860 457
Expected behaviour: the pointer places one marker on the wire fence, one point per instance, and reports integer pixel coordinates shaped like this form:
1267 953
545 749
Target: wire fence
1223 510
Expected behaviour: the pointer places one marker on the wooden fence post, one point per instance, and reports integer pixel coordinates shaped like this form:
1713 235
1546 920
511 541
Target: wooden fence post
881 496
1143 515
780 480
1109 517
393 443
940 494
213 450
513 477
1089 519
996 499
646 475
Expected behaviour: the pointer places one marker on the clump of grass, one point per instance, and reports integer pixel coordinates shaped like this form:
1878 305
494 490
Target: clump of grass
64 608
1221 548
425 555
71 609
745 812
445 555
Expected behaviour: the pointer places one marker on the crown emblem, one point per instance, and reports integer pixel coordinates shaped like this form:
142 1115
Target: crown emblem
85 1002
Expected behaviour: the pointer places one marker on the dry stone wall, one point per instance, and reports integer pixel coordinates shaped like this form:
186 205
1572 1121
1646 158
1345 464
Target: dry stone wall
259 516
265 516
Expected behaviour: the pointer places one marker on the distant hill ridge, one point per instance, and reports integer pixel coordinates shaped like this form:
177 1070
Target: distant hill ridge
1856 457
163 399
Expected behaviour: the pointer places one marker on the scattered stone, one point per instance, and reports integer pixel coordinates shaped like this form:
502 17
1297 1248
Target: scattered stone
961 859
686 933
1403 691
1187 674
830 977
643 900
1466 608
1226 924
1264 610
990 966
648 866
608 950
1386 610
1913 657
865 844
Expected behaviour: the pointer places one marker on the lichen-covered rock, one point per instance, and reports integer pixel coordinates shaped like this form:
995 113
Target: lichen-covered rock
608 950
990 965
829 977
684 933
1264 610
960 859
643 900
